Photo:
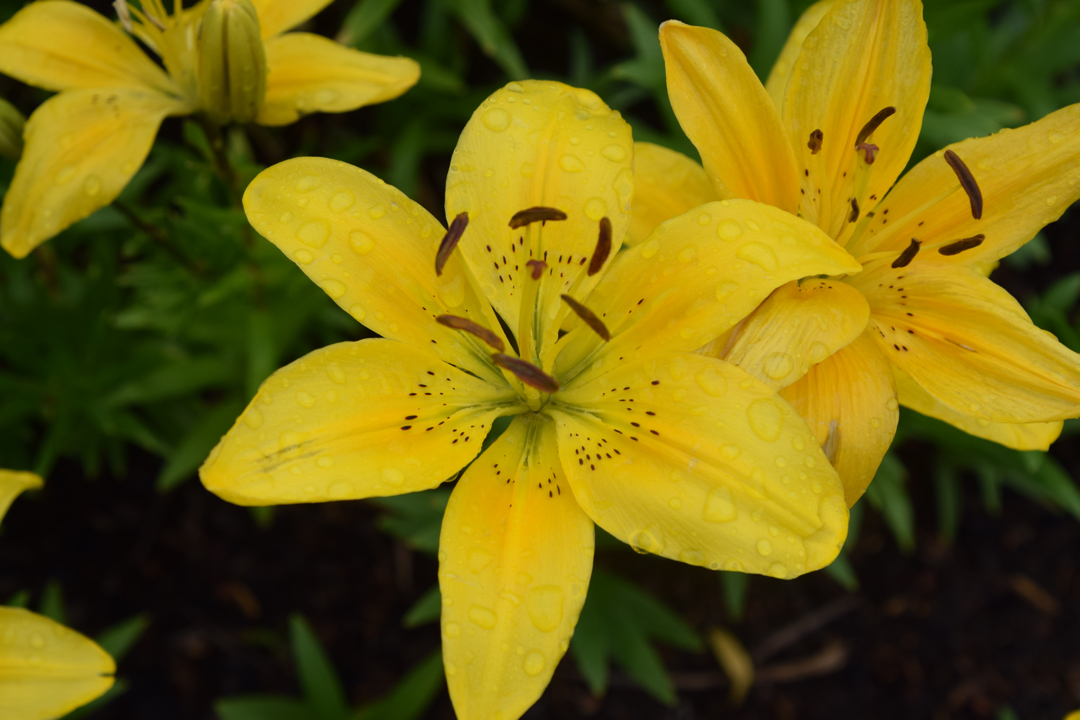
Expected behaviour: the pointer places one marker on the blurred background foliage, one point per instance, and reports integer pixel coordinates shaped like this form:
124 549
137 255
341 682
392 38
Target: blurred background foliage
151 323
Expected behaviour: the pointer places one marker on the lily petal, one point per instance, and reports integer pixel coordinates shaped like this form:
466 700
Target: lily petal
969 344
666 184
372 250
354 420
62 45
1018 436
691 458
515 555
797 326
776 85
540 144
864 56
695 278
277 16
309 73
849 402
12 484
729 117
1027 178
46 669
82 148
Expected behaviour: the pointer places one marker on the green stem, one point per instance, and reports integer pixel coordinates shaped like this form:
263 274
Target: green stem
157 235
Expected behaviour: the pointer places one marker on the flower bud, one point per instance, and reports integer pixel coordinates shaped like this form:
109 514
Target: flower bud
232 61
11 131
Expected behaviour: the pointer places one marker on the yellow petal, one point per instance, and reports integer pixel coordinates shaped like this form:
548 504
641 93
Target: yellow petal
666 184
354 420
864 56
82 147
849 402
727 114
1027 178
309 73
372 250
695 278
776 85
61 45
12 483
691 458
46 669
796 327
515 556
1018 436
277 16
970 344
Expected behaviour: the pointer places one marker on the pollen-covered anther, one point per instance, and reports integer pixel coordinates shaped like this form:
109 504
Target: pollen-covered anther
603 247
814 143
450 241
854 211
955 248
967 181
588 317
460 323
908 255
535 214
526 372
537 267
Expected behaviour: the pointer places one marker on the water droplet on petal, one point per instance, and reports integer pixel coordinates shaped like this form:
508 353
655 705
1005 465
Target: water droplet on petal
342 200
571 163
483 617
719 507
308 183
392 476
314 233
333 288
712 382
759 254
377 212
891 404
764 547
615 153
452 630
534 663
545 606
305 399
253 419
595 208
66 174
303 257
777 570
729 230
766 419
650 248
817 352
779 365
496 119
92 185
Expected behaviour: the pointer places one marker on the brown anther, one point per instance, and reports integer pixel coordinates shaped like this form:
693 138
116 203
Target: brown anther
967 181
450 241
869 151
960 246
871 126
526 372
908 255
537 267
588 317
460 323
603 247
854 211
815 141
535 214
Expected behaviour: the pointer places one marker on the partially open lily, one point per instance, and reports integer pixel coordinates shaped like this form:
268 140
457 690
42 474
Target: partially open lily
85 144
825 138
615 422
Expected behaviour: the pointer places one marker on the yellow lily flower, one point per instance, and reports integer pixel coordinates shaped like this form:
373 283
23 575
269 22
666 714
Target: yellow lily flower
616 422
46 669
85 144
921 325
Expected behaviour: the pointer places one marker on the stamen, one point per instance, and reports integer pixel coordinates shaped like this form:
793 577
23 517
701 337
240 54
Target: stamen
526 372
908 255
832 442
538 267
460 323
873 125
535 214
967 181
603 247
588 316
854 211
450 241
814 144
870 152
124 15
961 245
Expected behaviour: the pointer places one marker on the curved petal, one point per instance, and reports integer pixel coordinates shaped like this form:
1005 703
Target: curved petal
82 148
729 117
695 278
666 184
354 420
372 250
691 458
1027 178
12 484
277 16
797 326
309 73
46 669
849 402
776 85
1018 436
539 144
969 344
864 56
62 45
515 556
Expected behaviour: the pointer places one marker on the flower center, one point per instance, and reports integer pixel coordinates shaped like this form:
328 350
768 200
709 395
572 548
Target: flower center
173 37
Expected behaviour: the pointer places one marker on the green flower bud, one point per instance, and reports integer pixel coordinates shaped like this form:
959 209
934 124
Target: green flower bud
232 61
11 131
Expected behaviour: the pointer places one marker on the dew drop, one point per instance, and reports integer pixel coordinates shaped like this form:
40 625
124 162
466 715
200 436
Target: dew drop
704 219
624 188
692 557
891 404
730 451
712 382
764 547
452 630
729 230
496 119
1055 137
308 183
675 503
479 559
253 419
779 365
325 461
527 169
817 352
724 290
759 254
92 186
777 570
687 254
358 313
333 288
595 208
303 257
719 507
534 663
342 200
361 242
615 153
305 399
377 212
571 163
37 641
766 419
392 476
66 174
650 248
650 540
875 423
545 606
314 233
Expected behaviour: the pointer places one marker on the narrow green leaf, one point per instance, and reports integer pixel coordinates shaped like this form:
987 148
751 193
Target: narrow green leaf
591 649
364 17
842 572
193 448
424 610
118 688
735 587
21 599
774 24
52 602
889 496
411 697
949 501
118 639
320 682
262 707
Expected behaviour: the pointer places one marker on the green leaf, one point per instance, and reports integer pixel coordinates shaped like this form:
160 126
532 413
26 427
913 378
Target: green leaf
197 444
411 697
842 572
491 34
119 639
321 685
52 602
416 518
424 610
21 599
735 587
695 12
774 24
262 707
363 19
950 501
889 496
170 380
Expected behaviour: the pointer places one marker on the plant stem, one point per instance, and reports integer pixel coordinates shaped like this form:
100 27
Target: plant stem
157 235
